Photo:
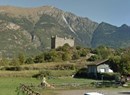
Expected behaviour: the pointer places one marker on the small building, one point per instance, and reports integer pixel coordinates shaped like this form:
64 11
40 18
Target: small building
99 67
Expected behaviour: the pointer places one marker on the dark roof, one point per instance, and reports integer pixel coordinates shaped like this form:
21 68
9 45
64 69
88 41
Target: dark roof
99 62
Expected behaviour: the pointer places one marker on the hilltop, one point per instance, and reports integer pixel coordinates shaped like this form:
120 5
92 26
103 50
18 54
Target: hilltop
29 30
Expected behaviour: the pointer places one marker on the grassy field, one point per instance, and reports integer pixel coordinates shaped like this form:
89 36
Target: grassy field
10 80
30 73
60 79
8 86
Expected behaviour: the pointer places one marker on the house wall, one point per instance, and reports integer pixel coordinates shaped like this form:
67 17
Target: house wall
92 69
103 68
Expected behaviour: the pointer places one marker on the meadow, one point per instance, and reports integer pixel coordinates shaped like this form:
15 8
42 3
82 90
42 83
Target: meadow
60 78
9 85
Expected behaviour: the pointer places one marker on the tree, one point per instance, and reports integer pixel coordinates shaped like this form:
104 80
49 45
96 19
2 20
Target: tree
93 58
39 59
75 56
125 64
83 52
29 61
103 52
114 63
120 64
47 57
78 47
21 58
54 55
66 56
14 62
4 62
66 47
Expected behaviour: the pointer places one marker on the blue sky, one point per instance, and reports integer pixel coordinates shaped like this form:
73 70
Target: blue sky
116 12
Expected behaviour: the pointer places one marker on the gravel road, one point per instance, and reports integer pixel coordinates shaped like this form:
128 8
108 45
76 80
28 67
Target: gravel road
120 91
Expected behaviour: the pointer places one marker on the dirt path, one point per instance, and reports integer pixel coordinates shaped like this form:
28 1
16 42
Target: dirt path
120 91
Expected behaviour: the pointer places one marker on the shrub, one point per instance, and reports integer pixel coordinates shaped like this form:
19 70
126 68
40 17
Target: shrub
13 68
39 59
107 76
93 58
65 67
47 57
29 61
66 56
42 73
75 56
78 47
21 58
65 47
83 52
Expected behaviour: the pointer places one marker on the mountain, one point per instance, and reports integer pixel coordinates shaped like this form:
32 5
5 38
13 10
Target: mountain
29 29
112 36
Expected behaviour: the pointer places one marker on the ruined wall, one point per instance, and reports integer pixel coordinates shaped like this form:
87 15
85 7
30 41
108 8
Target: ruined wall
58 41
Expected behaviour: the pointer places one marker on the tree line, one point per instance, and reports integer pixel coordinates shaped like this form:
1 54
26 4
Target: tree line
64 53
119 59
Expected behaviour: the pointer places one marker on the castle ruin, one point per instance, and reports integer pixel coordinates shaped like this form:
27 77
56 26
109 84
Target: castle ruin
58 41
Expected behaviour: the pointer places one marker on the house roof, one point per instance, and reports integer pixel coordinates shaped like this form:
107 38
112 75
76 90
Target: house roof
96 63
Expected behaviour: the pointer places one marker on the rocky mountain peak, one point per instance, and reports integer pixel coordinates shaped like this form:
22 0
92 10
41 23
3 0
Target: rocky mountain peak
30 29
125 26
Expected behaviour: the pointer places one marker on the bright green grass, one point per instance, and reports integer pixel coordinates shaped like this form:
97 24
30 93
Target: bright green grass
69 80
8 86
30 73
71 83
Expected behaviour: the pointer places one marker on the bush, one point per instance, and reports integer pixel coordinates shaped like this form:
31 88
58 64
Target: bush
93 58
13 68
78 47
75 56
83 52
39 59
103 76
42 73
66 56
29 61
64 67
107 76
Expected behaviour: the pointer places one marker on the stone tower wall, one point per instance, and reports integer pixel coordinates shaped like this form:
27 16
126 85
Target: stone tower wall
58 41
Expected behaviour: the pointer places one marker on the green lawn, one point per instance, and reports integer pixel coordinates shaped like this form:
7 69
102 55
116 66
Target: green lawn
8 86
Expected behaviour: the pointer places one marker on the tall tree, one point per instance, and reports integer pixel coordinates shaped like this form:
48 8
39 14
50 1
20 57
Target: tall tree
21 58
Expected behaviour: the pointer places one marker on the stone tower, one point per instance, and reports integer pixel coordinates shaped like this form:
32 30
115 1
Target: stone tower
58 41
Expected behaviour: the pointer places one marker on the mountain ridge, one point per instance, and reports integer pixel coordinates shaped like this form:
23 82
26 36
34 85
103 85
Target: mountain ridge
29 30
112 36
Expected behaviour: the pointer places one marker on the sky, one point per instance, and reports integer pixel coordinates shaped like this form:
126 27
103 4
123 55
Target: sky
115 12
